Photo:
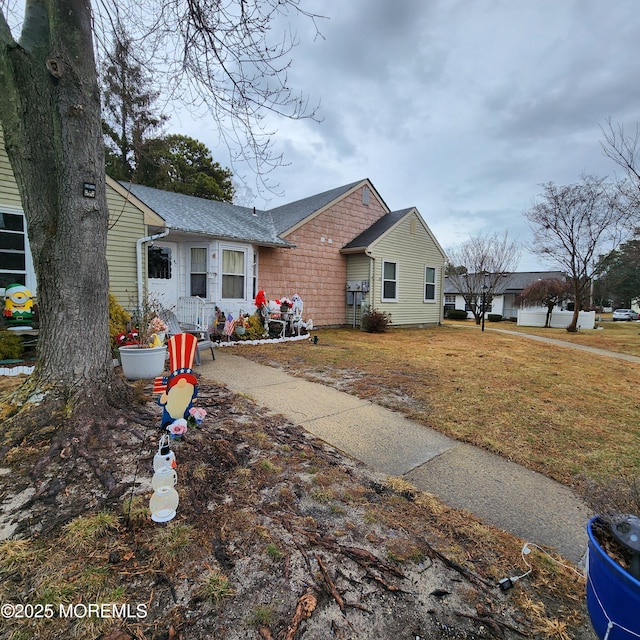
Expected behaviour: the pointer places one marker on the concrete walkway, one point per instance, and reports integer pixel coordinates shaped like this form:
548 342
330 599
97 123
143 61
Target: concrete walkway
501 493
571 345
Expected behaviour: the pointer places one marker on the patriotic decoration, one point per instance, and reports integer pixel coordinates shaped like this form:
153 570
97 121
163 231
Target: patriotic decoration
229 326
181 386
178 391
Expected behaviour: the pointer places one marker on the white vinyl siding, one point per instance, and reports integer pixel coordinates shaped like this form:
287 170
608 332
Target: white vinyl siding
412 248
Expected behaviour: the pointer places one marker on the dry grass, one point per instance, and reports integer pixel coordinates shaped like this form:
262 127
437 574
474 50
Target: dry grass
260 500
558 411
621 337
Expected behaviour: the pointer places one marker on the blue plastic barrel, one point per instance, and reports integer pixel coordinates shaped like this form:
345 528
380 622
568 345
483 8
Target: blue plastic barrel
613 595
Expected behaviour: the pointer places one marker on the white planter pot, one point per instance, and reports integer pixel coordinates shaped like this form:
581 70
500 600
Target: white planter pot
142 364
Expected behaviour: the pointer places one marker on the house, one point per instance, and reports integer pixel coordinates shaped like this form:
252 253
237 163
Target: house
127 223
504 300
15 258
351 252
342 250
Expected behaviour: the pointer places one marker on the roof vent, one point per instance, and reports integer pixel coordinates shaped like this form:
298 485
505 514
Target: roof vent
365 196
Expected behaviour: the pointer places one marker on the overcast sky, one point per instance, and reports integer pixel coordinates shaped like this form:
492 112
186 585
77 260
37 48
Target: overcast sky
459 108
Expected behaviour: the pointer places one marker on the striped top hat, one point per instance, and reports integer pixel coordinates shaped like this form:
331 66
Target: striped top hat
182 352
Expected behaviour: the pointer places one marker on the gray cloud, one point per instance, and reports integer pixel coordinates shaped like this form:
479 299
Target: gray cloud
459 108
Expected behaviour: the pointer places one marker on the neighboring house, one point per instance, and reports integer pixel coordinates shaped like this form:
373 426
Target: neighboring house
127 223
404 264
505 299
334 249
344 238
15 258
203 248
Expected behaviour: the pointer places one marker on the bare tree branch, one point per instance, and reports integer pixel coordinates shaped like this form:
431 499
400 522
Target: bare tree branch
480 264
624 150
573 224
228 60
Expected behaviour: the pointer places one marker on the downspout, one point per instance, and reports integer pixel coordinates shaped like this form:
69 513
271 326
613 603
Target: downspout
139 265
372 275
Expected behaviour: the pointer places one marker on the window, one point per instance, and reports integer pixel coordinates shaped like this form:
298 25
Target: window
232 274
159 262
254 269
13 257
389 281
199 272
429 284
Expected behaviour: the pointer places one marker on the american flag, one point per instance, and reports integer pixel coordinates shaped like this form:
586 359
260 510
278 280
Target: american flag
228 326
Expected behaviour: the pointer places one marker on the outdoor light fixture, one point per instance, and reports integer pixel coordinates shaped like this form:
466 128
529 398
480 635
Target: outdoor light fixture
484 295
484 302
88 190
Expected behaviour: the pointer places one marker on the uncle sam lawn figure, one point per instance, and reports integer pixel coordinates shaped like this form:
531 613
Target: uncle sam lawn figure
181 386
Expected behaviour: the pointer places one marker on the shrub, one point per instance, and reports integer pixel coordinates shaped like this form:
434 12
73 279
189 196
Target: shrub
374 321
11 345
255 330
119 318
494 317
457 314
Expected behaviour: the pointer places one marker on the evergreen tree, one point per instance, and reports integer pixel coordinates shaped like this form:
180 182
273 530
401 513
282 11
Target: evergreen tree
619 275
128 113
184 165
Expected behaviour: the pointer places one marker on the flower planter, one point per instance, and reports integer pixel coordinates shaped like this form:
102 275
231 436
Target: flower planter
613 595
142 364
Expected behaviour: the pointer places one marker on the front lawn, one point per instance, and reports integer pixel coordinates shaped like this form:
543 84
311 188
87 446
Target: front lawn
561 412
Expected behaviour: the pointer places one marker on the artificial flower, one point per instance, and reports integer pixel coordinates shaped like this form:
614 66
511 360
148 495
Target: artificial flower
198 414
178 428
157 325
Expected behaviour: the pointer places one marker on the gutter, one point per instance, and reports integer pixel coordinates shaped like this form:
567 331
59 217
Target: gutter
139 243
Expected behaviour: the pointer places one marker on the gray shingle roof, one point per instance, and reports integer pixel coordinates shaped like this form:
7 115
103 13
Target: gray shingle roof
289 215
210 217
513 282
377 229
516 282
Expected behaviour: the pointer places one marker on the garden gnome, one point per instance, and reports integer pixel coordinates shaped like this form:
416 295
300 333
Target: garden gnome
181 386
18 305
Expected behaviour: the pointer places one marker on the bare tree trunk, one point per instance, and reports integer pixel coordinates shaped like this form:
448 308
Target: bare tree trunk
573 325
51 118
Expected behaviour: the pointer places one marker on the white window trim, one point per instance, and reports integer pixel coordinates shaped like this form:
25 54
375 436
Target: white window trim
382 298
29 271
207 271
434 283
243 249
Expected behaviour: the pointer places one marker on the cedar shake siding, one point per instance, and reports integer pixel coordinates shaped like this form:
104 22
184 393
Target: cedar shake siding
315 268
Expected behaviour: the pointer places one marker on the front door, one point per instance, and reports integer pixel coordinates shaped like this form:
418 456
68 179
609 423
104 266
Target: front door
162 273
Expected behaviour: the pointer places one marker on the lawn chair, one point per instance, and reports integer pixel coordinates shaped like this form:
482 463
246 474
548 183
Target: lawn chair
174 327
192 312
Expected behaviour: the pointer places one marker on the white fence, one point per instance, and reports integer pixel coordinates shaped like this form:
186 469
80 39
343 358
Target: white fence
559 319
